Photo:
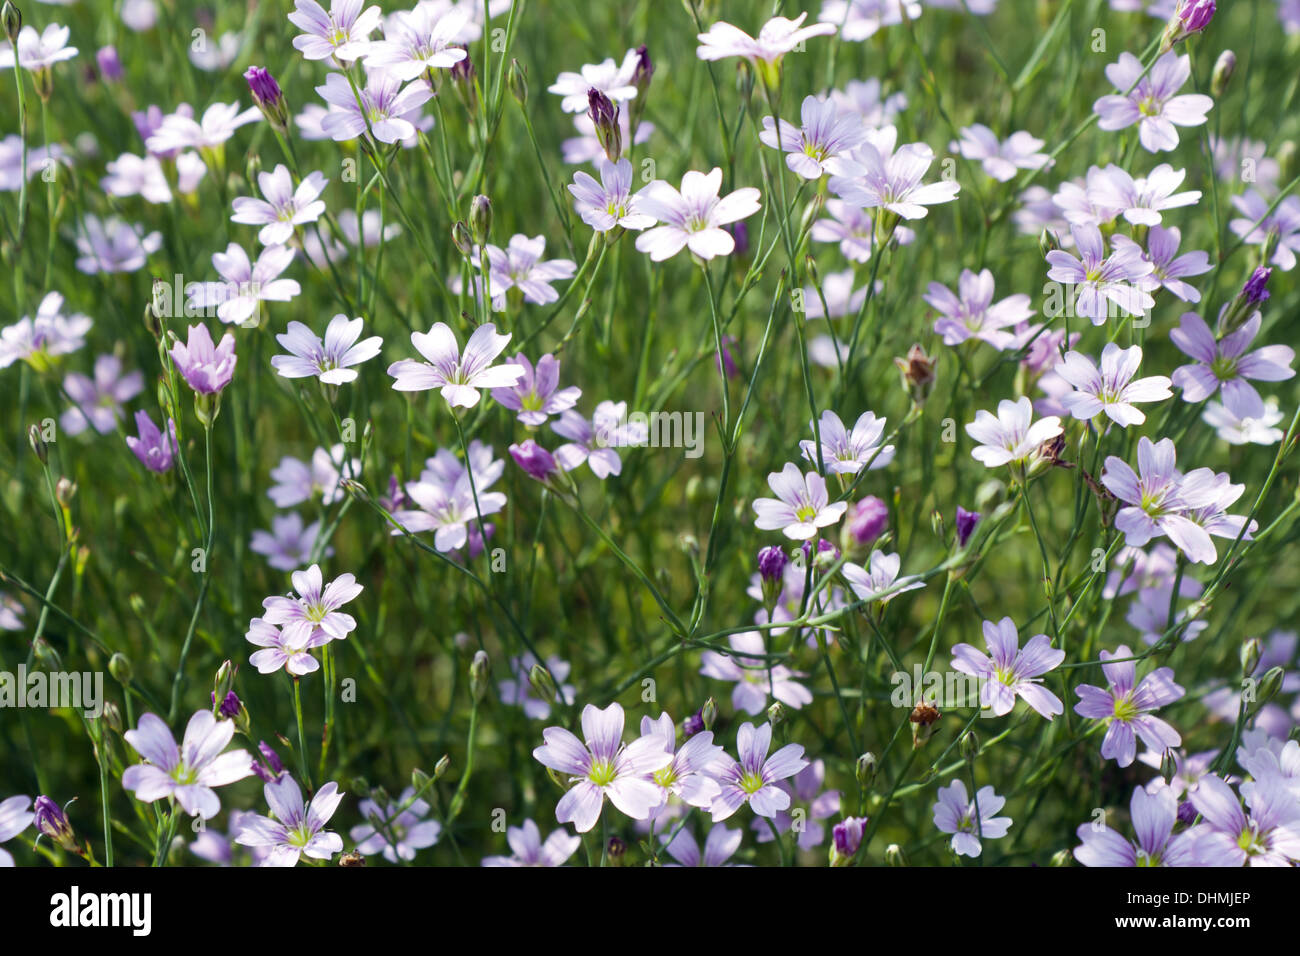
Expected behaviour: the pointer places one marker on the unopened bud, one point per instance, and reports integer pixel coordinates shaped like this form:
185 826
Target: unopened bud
1250 651
119 665
865 769
518 81
480 219
709 713
776 713
13 20
1224 67
894 855
39 448
478 675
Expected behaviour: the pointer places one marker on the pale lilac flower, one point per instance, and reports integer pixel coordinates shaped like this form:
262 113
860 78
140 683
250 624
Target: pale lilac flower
520 266
1090 201
142 176
314 610
518 690
818 147
38 51
1149 615
284 205
155 451
594 441
609 203
298 481
189 773
1244 418
1001 159
755 678
330 360
1152 815
790 580
247 284
1168 268
322 253
11 613
14 819
1157 503
293 830
777 37
49 335
1263 754
529 850
281 649
402 831
111 245
1238 159
458 375
1137 570
862 97
206 368
537 395
214 847
850 226
1037 211
891 179
1113 389
816 804
1011 437
1141 200
754 777
971 313
1127 707
801 505
879 581
1225 363
693 217
218 56
610 78
342 34
180 130
448 508
39 159
1212 516
686 777
419 41
1269 835
383 110
97 403
601 766
1260 227
858 20
1097 277
1008 671
1153 102
288 545
970 821
846 452
534 460
719 846
841 298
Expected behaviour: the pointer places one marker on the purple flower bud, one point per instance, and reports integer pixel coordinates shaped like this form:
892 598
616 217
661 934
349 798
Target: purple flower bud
693 724
725 362
1187 813
771 564
535 460
740 232
604 115
53 822
266 92
847 835
271 757
230 706
1196 14
644 70
155 450
1255 290
966 522
870 518
110 67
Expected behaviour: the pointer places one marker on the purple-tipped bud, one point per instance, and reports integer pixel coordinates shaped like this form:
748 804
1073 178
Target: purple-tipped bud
110 67
693 724
1196 14
870 518
535 460
771 564
1246 302
268 96
465 80
645 69
1255 290
604 116
725 362
230 705
52 822
825 555
1187 813
966 522
847 835
740 232
273 768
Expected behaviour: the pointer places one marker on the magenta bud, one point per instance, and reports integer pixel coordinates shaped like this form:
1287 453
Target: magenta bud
869 519
535 460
